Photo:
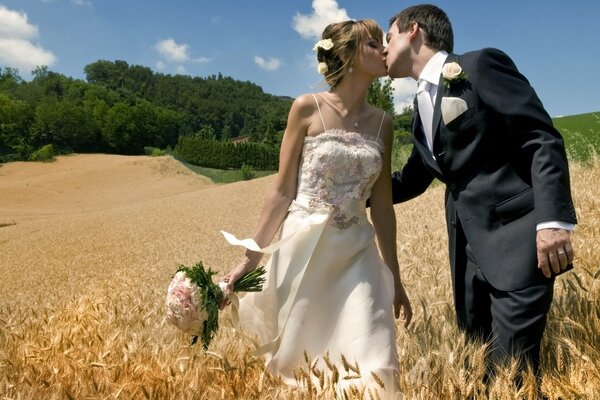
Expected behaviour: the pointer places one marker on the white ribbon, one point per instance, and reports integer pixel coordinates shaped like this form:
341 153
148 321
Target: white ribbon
316 218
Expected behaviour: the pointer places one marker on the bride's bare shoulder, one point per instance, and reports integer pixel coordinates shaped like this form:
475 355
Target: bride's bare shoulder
304 105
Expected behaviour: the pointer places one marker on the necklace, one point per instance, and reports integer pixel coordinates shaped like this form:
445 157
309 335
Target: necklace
338 110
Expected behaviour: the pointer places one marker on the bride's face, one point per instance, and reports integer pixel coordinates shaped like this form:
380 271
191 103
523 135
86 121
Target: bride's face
370 58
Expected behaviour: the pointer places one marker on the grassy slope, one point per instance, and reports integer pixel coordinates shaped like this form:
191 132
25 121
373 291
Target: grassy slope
581 133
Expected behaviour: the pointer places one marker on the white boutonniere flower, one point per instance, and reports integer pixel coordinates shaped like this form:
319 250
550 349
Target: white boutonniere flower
325 44
452 72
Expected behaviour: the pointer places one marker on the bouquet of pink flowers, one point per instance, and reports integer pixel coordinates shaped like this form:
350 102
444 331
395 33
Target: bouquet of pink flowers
193 299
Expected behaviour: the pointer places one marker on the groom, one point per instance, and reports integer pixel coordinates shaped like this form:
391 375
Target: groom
480 128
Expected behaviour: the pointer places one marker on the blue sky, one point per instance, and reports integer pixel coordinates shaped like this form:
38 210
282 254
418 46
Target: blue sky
553 42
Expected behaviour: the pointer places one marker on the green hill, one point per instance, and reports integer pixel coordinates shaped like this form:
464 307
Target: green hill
581 133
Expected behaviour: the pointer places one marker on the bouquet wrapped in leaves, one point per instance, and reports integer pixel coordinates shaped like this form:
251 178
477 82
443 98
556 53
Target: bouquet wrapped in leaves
193 299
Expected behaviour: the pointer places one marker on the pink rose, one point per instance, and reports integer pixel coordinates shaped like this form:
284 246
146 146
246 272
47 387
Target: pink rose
184 305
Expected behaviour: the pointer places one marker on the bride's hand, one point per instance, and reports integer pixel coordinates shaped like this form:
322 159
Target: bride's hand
229 280
402 303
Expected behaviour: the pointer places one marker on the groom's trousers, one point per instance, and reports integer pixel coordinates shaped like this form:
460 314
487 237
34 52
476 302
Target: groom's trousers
513 322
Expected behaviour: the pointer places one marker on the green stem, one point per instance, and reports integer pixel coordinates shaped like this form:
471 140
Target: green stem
250 282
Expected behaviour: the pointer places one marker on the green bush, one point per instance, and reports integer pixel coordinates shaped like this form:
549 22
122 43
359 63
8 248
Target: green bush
9 158
44 153
402 137
247 172
153 151
225 155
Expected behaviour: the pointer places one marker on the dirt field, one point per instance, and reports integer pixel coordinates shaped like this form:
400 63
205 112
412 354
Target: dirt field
89 243
86 183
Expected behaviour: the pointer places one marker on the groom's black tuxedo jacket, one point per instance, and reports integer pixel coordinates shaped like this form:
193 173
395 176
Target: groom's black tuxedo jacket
503 163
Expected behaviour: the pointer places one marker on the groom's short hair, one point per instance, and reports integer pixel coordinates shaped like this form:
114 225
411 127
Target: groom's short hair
432 20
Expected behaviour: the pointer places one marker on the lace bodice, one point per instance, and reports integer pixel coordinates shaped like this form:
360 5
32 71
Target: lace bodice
338 170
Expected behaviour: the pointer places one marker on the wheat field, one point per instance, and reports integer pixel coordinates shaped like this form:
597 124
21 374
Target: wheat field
88 245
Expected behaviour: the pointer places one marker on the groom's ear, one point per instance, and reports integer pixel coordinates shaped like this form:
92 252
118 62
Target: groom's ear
414 30
417 36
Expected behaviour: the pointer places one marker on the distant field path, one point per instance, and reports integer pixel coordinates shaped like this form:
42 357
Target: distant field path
83 183
94 214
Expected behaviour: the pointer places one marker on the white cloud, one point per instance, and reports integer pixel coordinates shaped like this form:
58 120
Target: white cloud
404 93
268 65
324 13
14 24
202 60
24 55
16 47
172 51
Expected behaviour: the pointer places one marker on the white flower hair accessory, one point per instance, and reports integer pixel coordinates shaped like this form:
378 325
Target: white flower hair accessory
322 68
452 72
325 44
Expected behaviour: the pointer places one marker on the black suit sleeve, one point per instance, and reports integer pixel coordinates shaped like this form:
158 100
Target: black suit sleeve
508 93
412 180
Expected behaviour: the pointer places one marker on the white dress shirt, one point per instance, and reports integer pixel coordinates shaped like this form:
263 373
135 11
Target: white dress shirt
431 73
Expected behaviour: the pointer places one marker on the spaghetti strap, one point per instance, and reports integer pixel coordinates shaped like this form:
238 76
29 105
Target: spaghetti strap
321 115
380 125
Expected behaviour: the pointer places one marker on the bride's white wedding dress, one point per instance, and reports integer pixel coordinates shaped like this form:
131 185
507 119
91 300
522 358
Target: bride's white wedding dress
327 288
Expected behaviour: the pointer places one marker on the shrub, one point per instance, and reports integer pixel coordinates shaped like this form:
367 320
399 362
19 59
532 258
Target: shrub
44 153
8 157
247 172
225 155
153 151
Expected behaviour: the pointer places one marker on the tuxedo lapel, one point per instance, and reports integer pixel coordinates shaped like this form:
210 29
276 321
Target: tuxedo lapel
443 91
417 126
437 112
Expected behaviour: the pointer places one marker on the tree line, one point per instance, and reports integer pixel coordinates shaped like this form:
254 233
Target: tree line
121 109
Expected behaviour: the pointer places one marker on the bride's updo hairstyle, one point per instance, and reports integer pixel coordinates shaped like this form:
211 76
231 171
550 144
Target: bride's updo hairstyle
347 37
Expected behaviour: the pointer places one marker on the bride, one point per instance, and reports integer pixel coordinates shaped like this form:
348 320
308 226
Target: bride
330 292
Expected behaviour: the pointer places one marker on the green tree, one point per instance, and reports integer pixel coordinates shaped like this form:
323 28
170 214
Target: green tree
382 95
403 120
63 124
15 118
226 132
122 108
52 83
9 79
207 132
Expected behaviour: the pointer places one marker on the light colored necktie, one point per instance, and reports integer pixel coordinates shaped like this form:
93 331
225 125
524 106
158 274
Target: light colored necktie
426 111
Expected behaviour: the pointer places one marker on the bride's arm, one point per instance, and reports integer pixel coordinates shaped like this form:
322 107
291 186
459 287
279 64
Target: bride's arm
282 193
384 222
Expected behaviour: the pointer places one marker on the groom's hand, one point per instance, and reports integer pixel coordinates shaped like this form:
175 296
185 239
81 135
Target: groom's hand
554 250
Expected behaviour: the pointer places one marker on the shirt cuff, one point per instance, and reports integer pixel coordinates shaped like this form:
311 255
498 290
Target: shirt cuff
555 224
